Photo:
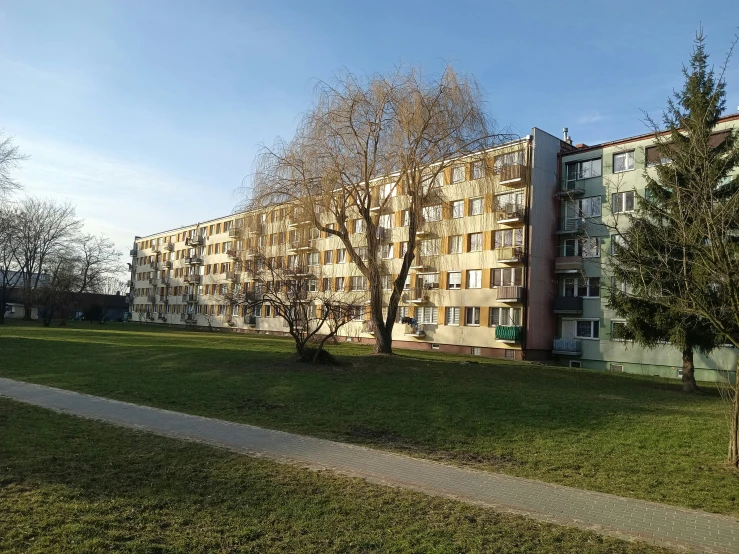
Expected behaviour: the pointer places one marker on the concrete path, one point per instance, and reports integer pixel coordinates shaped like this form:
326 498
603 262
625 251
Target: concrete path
604 513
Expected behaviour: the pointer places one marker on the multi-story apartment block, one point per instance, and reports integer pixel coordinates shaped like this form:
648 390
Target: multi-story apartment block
481 283
598 185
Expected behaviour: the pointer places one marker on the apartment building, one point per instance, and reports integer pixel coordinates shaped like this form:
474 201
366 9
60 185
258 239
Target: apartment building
482 281
598 184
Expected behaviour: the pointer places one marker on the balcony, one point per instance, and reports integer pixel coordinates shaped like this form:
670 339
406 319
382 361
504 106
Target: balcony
570 190
190 298
194 241
154 265
194 260
150 316
571 226
169 246
512 175
152 281
192 278
414 330
510 255
511 214
568 305
164 281
156 248
509 294
301 245
418 295
232 253
162 318
167 264
133 252
567 347
151 299
568 264
508 333
368 326
188 318
235 232
233 276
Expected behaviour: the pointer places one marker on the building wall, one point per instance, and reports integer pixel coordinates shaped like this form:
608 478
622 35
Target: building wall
605 351
482 337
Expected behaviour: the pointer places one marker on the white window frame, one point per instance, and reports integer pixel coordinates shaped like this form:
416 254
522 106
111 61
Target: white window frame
620 198
627 164
341 256
477 205
456 244
458 278
428 315
474 311
452 316
474 279
457 209
478 169
432 213
458 173
475 242
594 329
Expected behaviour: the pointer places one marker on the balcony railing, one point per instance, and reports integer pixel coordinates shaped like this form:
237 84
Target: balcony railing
194 241
169 246
133 252
571 188
233 276
567 347
151 298
509 294
189 298
192 278
152 281
510 254
414 330
154 265
167 264
512 173
568 305
511 213
508 333
150 315
194 260
571 225
568 264
188 318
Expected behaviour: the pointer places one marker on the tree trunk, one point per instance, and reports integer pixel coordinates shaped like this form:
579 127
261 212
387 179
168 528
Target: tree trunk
734 423
383 340
27 310
2 304
689 385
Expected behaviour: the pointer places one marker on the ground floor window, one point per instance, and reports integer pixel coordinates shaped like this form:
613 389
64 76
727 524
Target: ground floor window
452 316
472 316
427 314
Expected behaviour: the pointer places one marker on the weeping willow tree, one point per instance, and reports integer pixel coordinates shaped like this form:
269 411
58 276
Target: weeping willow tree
369 147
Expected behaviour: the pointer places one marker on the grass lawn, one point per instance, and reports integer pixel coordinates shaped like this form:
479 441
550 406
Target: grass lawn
627 435
70 486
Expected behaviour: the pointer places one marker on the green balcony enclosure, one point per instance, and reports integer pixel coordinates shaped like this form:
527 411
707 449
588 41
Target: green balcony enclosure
508 333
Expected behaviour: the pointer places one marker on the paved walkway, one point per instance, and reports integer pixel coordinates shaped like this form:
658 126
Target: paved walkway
604 513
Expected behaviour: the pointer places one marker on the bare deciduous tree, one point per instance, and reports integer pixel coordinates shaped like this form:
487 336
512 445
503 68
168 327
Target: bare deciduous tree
365 143
98 261
10 157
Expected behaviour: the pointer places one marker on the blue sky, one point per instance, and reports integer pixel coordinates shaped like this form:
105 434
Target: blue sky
147 114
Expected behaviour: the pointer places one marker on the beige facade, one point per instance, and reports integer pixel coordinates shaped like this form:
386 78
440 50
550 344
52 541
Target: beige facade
481 282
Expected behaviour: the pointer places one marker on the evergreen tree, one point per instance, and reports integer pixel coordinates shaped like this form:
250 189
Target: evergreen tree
677 256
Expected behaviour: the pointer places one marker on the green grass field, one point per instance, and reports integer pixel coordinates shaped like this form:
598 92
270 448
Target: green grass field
73 486
627 435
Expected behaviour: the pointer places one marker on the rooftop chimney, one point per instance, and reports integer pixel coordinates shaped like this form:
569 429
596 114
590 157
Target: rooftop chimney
565 137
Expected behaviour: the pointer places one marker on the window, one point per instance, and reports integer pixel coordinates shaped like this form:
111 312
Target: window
474 278
458 209
622 202
387 282
472 316
387 190
328 257
478 169
655 157
586 169
454 280
585 247
507 160
339 283
403 248
326 284
402 313
386 221
477 206
430 247
432 213
452 316
505 316
509 276
617 240
585 207
358 283
386 251
341 256
458 174
475 242
618 331
455 244
623 162
313 285
587 329
267 310
359 226
428 281
362 252
509 237
313 258
405 218
586 287
427 314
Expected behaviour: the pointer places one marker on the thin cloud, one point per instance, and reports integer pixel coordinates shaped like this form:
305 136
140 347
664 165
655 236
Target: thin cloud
589 118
